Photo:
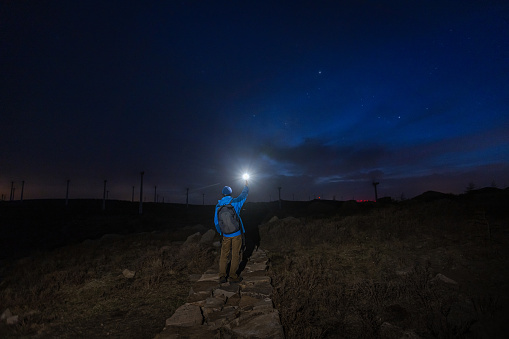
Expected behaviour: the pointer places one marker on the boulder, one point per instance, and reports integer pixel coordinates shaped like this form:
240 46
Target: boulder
193 238
208 237
273 219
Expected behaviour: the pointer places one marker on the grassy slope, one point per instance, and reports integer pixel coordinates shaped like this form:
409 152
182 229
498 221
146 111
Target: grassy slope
347 275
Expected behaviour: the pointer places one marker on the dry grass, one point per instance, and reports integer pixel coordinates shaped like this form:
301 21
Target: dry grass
80 291
359 271
374 274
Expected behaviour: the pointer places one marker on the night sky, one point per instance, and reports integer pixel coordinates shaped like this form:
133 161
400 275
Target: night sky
319 98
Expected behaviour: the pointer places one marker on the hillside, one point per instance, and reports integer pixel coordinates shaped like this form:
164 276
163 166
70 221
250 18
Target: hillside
432 266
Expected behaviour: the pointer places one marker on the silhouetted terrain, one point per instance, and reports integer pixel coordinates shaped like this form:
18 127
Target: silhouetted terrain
432 266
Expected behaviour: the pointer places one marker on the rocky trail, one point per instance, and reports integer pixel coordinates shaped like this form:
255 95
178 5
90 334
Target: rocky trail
229 310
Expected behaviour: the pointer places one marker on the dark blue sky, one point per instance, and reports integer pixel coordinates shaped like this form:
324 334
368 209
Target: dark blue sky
320 98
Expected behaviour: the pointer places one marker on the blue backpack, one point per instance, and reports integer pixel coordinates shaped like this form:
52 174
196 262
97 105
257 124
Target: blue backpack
228 219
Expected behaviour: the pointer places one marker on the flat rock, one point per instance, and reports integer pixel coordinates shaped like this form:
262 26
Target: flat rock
256 267
198 298
262 326
225 292
233 301
186 315
218 319
256 279
216 303
444 279
260 304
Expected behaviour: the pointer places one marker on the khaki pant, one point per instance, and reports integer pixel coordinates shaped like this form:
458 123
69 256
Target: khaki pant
234 244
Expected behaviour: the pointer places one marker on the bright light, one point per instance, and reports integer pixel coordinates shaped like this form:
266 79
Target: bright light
245 176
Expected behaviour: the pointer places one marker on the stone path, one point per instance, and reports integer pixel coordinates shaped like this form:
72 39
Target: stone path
243 310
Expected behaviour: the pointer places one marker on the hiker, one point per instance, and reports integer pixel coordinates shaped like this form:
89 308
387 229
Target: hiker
229 225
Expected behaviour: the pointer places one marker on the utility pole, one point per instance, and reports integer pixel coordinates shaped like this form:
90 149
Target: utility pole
67 194
187 197
203 199
279 188
22 189
141 194
155 193
11 197
104 195
132 197
376 193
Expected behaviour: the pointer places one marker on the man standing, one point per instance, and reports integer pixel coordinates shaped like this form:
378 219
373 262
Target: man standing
229 225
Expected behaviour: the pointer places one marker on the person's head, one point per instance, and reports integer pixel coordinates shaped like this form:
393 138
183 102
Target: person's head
227 190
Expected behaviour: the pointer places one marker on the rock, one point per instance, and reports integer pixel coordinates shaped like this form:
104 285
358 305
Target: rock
128 274
214 310
186 315
263 289
262 326
444 279
207 237
262 266
216 244
227 294
291 220
12 320
6 314
215 303
193 238
273 219
218 319
251 303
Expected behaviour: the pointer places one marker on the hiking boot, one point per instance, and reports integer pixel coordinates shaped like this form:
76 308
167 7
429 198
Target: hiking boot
236 280
222 280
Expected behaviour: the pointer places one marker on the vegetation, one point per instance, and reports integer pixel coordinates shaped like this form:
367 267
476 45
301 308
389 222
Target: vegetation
80 290
427 268
432 266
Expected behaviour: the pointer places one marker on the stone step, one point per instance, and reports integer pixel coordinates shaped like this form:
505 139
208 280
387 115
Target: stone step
240 310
